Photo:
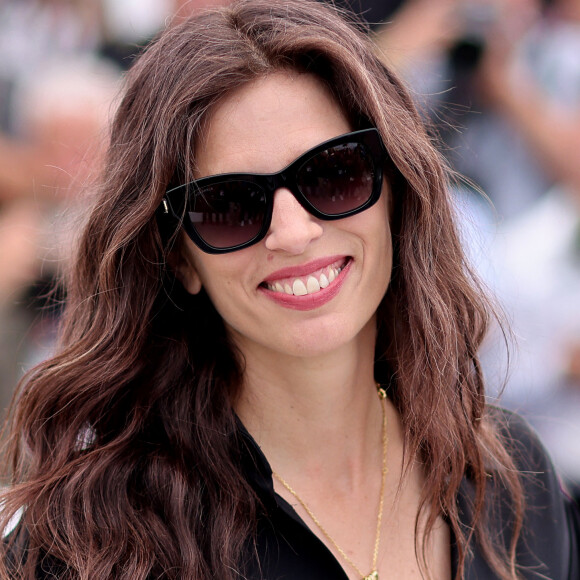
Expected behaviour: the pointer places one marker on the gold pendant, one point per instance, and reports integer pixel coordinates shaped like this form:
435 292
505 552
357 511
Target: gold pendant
372 576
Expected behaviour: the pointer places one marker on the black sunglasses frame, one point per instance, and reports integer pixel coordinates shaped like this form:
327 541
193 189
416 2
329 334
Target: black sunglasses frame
175 200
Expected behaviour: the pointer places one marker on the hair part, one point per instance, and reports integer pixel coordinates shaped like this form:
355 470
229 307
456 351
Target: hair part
111 438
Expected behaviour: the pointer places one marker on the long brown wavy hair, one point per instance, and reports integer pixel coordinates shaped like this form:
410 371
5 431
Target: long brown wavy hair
124 449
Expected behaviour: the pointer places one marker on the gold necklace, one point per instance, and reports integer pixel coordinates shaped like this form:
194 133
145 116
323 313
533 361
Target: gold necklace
374 575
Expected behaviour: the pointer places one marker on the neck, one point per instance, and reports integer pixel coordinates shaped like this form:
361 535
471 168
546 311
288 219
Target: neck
288 402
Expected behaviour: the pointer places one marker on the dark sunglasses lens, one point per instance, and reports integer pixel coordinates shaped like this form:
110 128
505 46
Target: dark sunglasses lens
338 180
227 214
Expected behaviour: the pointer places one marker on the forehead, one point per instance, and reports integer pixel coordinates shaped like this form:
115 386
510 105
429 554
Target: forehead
266 124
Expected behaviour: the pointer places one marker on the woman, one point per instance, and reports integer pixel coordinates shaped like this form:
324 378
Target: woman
273 373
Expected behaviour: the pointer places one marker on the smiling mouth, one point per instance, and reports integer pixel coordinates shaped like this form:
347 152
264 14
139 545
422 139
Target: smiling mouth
309 284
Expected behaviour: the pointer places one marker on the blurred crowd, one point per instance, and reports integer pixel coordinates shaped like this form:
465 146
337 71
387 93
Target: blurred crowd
497 80
61 62
500 83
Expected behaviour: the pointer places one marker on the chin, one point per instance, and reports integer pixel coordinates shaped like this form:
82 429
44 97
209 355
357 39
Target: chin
325 338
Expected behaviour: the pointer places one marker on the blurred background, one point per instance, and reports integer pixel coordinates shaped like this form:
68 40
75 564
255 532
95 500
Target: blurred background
498 81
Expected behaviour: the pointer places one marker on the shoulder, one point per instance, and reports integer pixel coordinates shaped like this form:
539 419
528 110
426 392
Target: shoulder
522 442
549 542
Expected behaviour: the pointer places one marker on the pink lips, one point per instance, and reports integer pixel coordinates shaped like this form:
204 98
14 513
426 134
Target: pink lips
307 301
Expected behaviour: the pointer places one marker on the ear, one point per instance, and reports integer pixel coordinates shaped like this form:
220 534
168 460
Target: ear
185 270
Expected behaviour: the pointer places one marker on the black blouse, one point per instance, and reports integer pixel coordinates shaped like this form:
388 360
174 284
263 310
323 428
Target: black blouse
548 548
287 549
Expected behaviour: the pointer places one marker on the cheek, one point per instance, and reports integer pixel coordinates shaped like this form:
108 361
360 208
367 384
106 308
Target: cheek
382 237
212 278
224 278
220 289
384 264
381 220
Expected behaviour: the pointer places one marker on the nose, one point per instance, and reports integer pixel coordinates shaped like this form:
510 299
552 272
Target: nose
292 227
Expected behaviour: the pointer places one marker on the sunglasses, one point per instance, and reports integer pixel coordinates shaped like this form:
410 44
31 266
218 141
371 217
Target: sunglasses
334 180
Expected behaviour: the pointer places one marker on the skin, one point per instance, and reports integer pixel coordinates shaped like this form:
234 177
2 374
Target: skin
309 374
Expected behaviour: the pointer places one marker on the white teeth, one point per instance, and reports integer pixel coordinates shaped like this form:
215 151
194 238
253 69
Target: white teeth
298 288
312 285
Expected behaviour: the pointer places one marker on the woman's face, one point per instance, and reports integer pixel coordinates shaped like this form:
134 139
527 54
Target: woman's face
261 128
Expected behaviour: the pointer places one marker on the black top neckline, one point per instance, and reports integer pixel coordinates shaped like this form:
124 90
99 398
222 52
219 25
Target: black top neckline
288 549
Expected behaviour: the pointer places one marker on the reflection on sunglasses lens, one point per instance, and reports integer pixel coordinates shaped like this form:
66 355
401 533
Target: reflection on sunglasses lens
229 213
337 180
